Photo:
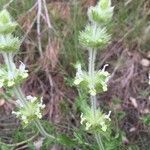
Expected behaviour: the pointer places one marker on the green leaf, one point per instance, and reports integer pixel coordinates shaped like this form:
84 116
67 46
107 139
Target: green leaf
94 36
113 142
65 140
104 4
8 43
46 144
146 119
4 17
4 147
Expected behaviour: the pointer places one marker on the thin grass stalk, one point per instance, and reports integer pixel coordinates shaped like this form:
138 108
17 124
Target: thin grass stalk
39 26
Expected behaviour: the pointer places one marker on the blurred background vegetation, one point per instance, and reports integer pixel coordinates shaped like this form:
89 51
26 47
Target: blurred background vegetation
50 49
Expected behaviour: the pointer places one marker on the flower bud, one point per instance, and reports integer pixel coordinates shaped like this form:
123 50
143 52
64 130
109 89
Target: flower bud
8 43
6 24
104 4
101 13
91 38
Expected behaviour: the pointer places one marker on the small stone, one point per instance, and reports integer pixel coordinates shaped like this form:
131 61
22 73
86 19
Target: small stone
145 62
134 102
148 54
133 129
125 140
146 111
2 102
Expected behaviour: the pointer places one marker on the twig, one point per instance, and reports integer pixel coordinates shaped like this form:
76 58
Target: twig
39 26
46 14
29 29
5 6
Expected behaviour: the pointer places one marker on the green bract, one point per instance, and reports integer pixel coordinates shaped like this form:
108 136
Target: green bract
101 13
6 24
8 28
14 77
8 43
31 111
94 84
94 37
104 4
95 121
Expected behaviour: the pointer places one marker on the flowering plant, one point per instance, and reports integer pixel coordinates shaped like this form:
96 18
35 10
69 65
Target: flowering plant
95 121
31 111
95 36
10 78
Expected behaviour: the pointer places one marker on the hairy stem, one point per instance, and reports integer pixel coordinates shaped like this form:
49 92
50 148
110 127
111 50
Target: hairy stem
93 103
92 58
8 59
99 141
18 92
42 130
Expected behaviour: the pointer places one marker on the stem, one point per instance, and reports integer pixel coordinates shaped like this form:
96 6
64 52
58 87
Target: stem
90 61
99 141
93 104
18 92
42 130
92 58
8 59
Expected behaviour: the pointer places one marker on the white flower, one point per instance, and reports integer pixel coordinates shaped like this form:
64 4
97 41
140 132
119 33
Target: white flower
9 78
31 110
22 71
108 116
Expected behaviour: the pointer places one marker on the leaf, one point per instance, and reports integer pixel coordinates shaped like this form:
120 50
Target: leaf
65 140
46 143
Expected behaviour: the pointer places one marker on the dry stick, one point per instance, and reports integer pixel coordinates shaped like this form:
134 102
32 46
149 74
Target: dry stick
33 22
39 26
46 14
47 72
5 6
29 29
48 19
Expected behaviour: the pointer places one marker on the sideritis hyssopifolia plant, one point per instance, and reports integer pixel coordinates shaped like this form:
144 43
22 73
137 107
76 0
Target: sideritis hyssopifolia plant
29 108
95 37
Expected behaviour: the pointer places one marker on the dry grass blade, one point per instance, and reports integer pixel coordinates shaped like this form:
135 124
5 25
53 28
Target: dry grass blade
51 55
